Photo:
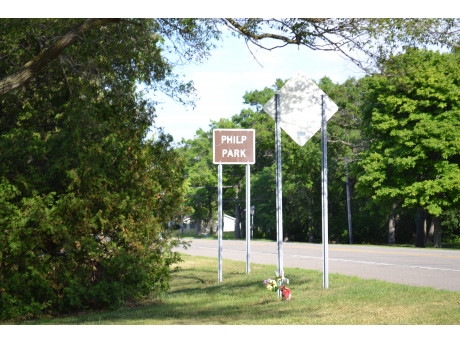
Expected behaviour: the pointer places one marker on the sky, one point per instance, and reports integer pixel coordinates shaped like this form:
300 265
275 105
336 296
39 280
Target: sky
222 80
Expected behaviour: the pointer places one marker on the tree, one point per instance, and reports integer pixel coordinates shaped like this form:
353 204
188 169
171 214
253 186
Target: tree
366 42
201 176
85 195
376 38
47 54
412 119
31 46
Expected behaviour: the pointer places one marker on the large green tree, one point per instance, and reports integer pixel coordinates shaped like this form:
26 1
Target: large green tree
32 46
84 194
201 176
412 121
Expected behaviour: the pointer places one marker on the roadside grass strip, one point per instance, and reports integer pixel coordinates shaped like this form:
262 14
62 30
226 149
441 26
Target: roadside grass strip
196 298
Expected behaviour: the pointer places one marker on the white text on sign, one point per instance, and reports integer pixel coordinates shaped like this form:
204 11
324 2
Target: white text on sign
234 139
234 153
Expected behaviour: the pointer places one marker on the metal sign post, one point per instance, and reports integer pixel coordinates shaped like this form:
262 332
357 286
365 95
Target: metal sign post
324 194
350 231
219 211
248 215
279 191
252 221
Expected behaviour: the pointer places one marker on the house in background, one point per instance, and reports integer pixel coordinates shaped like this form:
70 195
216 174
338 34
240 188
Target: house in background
189 226
229 223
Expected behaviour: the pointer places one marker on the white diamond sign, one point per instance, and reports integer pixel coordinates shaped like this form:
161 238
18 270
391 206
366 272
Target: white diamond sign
300 107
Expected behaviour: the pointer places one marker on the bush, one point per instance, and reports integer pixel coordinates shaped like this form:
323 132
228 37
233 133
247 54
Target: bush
69 252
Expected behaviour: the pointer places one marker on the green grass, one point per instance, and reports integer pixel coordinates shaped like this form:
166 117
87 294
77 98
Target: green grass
195 298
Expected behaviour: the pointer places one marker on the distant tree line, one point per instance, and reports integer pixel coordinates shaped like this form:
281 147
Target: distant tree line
396 134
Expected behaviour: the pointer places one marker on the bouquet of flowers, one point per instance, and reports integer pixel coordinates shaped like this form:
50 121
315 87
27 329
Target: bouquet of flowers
273 284
277 286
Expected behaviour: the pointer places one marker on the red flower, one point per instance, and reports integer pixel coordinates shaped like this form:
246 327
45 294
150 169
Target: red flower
286 292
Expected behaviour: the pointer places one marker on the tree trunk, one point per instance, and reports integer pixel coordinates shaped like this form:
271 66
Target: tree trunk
430 234
34 66
419 232
210 216
237 221
392 226
436 231
198 226
425 215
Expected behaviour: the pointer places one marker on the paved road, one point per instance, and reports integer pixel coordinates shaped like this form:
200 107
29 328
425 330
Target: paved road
412 266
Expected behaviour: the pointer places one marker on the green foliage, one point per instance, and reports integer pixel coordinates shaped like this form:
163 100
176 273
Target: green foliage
201 176
301 171
412 120
84 195
451 226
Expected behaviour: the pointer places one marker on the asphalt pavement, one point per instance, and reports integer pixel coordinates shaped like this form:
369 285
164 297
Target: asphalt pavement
437 268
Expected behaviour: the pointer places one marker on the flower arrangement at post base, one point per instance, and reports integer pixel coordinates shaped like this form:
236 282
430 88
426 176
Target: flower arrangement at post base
273 284
276 285
285 293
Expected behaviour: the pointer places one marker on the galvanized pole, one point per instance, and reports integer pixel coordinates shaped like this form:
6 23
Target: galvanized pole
279 192
252 221
324 193
248 217
350 232
220 217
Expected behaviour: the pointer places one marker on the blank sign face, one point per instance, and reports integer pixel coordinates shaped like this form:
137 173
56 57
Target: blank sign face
300 107
234 146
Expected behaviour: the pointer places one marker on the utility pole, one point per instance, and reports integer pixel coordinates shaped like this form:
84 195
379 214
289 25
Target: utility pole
350 231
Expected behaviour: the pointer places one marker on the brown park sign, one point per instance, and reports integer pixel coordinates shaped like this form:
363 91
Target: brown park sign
234 146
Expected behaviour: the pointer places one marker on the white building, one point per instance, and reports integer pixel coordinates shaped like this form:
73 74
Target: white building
190 226
229 223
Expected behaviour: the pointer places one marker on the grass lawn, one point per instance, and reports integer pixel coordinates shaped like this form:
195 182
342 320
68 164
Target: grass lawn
195 298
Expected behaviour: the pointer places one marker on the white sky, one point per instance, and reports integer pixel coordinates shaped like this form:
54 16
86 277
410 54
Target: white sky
223 79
